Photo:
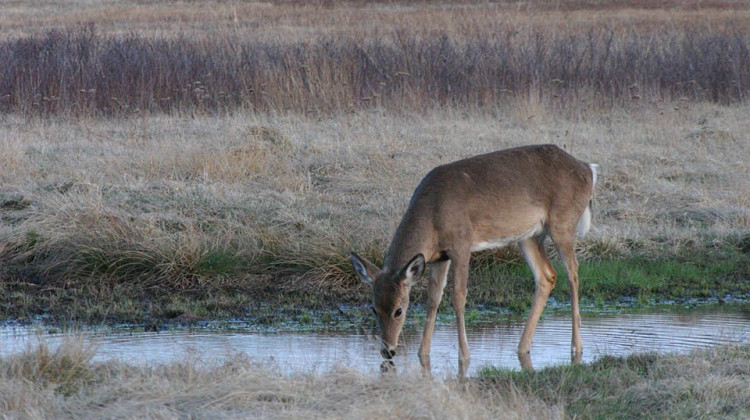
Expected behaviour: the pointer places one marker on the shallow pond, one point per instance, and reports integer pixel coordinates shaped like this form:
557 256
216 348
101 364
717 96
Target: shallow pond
490 343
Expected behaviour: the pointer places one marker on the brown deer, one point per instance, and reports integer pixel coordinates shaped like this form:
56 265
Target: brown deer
518 195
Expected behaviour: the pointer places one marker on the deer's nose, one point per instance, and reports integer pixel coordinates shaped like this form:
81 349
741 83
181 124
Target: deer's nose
387 353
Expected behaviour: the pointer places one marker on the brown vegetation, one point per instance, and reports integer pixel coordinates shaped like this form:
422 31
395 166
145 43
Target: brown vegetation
295 20
248 147
401 57
293 133
202 204
65 383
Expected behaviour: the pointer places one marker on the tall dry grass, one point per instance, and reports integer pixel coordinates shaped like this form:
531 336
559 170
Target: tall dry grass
323 59
83 73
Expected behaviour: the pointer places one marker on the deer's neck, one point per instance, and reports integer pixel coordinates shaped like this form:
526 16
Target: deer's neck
413 236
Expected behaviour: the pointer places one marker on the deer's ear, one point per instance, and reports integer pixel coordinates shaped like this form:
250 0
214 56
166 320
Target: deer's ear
413 269
365 270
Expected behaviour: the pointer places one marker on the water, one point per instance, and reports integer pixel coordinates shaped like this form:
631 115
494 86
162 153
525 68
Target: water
491 343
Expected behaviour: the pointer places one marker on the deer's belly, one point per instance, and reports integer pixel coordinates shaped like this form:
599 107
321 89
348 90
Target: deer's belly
495 243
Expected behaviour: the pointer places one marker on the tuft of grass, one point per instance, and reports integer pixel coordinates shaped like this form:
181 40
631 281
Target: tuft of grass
218 263
65 369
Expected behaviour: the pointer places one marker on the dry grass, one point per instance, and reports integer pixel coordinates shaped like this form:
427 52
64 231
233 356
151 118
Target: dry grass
234 192
302 57
63 383
704 384
42 383
197 198
301 20
171 200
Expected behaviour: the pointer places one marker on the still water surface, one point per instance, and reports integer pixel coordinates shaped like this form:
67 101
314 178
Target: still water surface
490 343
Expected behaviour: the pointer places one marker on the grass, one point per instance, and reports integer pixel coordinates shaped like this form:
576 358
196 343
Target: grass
355 56
64 382
704 384
64 370
180 161
625 279
80 72
121 219
212 159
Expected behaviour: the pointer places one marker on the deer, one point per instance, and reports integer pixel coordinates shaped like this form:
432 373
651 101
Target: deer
518 196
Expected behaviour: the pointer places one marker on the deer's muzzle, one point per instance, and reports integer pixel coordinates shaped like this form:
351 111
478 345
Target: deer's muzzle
387 353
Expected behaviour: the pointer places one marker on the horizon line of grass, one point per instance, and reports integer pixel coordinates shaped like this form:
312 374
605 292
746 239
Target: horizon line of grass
80 72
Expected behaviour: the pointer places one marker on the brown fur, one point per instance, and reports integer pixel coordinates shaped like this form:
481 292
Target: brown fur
518 195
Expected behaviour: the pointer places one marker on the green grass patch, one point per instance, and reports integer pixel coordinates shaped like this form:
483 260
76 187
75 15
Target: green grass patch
705 384
216 262
110 284
636 278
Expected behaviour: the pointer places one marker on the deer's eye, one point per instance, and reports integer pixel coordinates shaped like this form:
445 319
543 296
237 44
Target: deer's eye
397 313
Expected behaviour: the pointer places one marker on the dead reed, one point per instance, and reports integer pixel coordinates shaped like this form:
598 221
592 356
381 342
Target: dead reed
82 72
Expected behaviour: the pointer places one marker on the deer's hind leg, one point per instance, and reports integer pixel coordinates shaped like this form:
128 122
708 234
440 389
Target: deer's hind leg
566 249
545 279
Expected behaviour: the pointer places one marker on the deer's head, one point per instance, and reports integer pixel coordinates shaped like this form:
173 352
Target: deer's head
390 296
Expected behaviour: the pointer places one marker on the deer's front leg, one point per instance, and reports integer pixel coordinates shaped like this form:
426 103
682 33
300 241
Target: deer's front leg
438 277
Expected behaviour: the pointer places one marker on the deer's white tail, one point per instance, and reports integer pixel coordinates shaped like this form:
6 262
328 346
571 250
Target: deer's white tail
584 223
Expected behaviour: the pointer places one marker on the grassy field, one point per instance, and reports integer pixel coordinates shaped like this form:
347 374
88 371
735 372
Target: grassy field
171 161
167 160
211 215
65 383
